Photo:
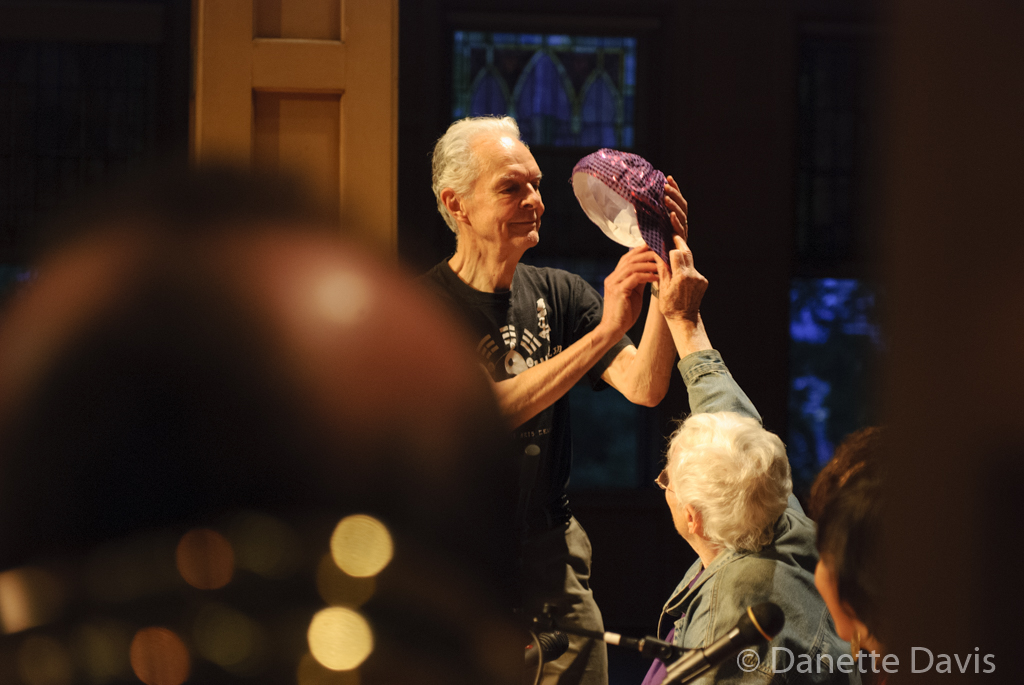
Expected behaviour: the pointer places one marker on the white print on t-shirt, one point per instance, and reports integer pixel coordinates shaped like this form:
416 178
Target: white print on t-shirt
518 360
542 320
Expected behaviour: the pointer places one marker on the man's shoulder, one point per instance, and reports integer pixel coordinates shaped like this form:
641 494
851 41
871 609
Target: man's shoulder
547 279
437 275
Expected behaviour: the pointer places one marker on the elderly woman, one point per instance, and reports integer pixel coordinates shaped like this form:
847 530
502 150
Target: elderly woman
728 485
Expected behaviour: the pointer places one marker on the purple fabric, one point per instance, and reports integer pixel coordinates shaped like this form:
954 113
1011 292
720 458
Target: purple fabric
658 670
656 673
635 179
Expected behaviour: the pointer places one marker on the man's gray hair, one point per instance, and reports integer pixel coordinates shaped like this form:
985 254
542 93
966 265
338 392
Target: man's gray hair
455 165
734 473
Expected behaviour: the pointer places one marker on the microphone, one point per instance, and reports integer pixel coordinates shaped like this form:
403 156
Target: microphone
552 645
543 648
650 647
761 623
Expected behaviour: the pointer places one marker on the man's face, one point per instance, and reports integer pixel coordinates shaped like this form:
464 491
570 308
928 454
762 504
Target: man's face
504 205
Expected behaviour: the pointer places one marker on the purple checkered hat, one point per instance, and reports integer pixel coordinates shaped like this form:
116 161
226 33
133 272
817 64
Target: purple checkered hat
624 195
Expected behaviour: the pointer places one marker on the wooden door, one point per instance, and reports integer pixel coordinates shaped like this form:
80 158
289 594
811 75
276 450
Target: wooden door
308 87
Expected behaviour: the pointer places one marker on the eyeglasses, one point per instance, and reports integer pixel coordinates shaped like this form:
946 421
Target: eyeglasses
662 480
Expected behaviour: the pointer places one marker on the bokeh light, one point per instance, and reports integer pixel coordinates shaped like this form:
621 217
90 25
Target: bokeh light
264 545
159 657
101 650
225 636
205 559
44 661
339 638
339 588
361 546
312 673
29 597
344 297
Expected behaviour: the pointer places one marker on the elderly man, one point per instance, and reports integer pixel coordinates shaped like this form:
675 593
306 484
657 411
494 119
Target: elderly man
540 331
727 483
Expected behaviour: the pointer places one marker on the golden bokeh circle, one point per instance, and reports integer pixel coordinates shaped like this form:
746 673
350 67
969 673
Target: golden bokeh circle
310 672
339 638
159 657
361 546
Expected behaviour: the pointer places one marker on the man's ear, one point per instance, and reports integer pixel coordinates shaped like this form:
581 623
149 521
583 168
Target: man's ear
694 521
453 204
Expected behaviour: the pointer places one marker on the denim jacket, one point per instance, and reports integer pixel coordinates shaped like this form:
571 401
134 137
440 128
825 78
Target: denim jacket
782 572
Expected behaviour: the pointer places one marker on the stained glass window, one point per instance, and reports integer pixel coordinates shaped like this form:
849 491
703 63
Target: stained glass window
835 345
563 90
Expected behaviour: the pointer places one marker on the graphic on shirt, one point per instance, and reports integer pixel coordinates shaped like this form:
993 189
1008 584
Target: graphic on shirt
517 351
542 320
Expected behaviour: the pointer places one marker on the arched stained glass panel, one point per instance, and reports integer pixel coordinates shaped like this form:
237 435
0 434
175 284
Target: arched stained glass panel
543 109
488 97
598 116
547 81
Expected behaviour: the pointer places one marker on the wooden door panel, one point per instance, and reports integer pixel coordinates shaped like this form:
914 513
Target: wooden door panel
299 133
316 19
309 87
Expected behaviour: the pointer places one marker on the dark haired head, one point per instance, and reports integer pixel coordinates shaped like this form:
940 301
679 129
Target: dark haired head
849 543
861 449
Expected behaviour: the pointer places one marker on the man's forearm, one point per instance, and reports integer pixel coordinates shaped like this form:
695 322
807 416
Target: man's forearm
524 396
643 376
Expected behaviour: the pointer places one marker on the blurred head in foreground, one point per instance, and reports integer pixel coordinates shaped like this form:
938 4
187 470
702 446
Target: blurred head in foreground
235 449
850 526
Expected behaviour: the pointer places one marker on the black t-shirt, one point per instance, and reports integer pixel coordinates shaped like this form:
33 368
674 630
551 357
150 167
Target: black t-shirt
545 311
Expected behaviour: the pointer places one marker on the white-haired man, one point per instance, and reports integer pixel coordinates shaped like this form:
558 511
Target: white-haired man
728 485
540 331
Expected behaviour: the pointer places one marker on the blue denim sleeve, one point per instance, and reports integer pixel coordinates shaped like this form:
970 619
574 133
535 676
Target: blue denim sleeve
711 387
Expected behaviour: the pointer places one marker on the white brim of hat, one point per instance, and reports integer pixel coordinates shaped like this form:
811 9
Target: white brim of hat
612 213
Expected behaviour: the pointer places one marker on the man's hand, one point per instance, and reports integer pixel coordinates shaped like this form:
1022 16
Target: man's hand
681 286
676 205
624 289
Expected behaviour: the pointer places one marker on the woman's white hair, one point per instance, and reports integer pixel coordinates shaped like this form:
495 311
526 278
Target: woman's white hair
455 164
734 473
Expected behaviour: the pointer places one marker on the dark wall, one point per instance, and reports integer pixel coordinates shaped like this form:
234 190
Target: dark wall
720 115
953 253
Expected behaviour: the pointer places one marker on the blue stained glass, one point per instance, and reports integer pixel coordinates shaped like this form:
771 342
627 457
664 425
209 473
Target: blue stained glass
548 83
630 69
835 342
488 98
598 113
543 107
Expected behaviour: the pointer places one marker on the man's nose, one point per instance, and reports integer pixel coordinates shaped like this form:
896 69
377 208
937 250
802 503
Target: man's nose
533 199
